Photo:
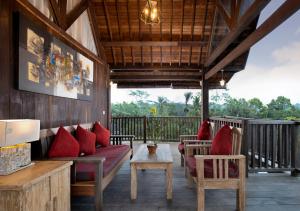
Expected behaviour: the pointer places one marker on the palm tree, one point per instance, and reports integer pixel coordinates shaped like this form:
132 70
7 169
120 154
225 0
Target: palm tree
188 96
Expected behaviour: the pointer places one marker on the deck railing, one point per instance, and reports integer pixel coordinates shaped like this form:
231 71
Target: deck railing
269 145
161 129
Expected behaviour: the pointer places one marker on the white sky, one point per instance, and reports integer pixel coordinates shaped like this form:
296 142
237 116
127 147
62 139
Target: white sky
273 68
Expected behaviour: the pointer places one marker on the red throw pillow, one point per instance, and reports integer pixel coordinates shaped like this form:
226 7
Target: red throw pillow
102 134
204 131
87 141
64 145
222 143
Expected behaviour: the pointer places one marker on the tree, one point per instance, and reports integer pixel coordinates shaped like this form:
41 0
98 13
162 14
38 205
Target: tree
162 104
188 96
257 108
281 108
139 95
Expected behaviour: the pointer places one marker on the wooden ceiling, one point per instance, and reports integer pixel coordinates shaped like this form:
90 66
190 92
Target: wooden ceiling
171 52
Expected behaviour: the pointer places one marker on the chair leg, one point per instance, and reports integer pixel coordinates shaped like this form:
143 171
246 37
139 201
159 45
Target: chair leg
240 199
181 159
190 181
200 198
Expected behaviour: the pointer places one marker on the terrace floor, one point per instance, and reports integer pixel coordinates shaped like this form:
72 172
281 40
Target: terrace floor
277 191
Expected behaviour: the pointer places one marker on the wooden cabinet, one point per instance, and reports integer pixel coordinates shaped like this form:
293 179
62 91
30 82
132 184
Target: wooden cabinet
44 186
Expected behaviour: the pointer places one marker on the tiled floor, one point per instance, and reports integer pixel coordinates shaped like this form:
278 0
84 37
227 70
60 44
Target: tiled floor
271 192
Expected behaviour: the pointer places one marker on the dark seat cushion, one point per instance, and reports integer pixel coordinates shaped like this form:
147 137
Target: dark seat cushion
181 148
208 168
113 155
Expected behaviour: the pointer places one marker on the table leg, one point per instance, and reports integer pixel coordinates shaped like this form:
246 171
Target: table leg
133 182
169 178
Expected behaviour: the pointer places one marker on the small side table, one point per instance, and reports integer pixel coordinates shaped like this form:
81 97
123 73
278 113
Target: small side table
42 186
161 160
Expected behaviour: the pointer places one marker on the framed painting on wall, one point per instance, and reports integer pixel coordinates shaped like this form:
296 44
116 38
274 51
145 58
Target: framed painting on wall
47 65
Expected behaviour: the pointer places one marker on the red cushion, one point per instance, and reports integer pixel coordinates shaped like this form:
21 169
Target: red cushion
112 153
222 143
204 131
233 170
102 134
181 148
64 145
87 141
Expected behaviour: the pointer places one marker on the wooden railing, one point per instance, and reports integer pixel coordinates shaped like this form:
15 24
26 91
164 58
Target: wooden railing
162 129
267 144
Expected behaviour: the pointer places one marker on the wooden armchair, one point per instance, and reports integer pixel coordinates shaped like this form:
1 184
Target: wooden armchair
192 139
217 171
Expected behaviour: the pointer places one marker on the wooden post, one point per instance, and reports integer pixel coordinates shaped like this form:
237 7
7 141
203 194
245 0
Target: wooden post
204 99
245 147
296 150
145 129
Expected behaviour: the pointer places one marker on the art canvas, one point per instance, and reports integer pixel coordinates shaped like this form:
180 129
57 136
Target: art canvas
49 66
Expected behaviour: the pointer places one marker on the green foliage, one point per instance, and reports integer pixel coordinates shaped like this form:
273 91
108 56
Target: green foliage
220 105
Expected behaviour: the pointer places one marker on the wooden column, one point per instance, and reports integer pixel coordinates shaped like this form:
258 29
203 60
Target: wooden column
5 57
204 99
296 150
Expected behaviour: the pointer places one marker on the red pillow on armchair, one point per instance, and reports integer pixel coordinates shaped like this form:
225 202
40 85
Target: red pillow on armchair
86 140
64 145
102 134
222 143
204 131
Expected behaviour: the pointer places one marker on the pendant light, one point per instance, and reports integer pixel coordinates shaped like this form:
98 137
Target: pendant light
222 81
149 15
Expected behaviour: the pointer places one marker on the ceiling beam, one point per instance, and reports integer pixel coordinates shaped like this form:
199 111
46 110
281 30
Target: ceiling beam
287 9
75 13
155 67
224 14
154 73
28 8
251 13
95 31
151 43
54 9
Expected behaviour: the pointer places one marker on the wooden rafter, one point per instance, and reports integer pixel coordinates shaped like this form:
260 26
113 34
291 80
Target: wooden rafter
287 9
107 20
37 15
212 32
192 29
129 30
224 13
62 4
54 9
76 12
203 31
139 9
120 33
95 31
251 13
156 67
151 43
171 29
181 32
160 31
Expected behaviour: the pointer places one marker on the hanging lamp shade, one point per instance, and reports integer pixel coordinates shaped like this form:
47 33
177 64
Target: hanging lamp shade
149 15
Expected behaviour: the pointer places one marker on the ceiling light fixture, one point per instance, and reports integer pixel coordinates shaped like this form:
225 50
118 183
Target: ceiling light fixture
149 15
222 81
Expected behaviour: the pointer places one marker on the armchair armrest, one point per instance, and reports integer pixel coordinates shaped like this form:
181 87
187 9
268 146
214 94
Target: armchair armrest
198 149
118 139
197 141
98 161
187 137
220 166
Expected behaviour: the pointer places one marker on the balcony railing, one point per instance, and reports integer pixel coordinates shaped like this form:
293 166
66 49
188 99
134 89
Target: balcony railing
269 145
160 129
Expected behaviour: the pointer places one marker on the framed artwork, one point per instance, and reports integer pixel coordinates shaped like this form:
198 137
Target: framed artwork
49 66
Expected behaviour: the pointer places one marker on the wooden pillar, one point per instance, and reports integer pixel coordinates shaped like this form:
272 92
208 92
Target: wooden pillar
296 150
6 67
204 99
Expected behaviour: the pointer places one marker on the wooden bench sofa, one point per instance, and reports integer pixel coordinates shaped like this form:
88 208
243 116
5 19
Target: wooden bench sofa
91 174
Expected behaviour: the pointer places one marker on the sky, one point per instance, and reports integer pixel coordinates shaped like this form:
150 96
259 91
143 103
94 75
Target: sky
273 67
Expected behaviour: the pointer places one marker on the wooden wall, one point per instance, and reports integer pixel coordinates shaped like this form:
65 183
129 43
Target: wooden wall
52 111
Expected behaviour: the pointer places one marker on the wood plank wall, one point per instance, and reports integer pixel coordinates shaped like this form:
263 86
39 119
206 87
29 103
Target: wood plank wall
52 111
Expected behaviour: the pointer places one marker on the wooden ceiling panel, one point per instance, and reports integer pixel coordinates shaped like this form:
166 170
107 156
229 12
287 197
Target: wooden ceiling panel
181 20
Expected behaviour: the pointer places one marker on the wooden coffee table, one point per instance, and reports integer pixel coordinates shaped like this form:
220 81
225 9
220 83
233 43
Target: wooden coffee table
143 160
